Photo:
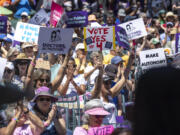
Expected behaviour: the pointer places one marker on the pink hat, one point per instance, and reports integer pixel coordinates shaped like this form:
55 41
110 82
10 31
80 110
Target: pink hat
97 111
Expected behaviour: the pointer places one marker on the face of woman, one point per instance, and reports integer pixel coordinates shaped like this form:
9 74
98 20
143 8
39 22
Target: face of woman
13 56
71 65
8 75
43 81
22 66
22 119
28 50
95 120
44 103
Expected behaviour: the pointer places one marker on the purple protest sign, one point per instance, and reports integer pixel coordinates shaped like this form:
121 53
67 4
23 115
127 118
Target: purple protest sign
77 19
177 42
122 37
3 24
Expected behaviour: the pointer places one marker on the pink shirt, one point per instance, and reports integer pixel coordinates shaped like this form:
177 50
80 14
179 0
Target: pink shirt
24 130
80 131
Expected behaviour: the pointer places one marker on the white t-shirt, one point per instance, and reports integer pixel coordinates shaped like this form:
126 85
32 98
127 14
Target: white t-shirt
79 80
111 108
93 75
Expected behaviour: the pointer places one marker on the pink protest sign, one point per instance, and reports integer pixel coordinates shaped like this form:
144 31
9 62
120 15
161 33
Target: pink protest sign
103 130
56 13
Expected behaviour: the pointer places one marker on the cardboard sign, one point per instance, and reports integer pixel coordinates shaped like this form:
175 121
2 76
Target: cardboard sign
55 40
99 38
56 13
40 63
135 29
40 17
122 37
177 42
3 65
152 58
103 130
77 19
26 32
3 24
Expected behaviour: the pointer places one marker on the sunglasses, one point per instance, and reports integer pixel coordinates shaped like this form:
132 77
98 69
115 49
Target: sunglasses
22 63
74 66
8 71
99 116
44 80
44 99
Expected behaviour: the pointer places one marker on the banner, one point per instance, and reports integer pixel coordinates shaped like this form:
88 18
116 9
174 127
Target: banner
27 32
177 42
103 130
41 17
55 40
3 24
122 37
77 19
152 58
3 65
135 29
56 13
99 38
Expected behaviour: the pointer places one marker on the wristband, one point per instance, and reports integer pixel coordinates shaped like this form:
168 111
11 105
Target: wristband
33 64
15 119
46 124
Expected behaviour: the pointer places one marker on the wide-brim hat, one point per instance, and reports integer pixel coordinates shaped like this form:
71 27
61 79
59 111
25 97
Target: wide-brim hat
25 45
21 57
97 111
44 91
170 14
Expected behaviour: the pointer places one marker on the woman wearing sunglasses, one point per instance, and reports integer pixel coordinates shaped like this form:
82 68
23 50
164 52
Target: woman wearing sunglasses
21 67
48 112
72 84
41 77
8 73
94 113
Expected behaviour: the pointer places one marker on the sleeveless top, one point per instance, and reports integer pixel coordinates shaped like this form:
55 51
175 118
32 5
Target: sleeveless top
24 130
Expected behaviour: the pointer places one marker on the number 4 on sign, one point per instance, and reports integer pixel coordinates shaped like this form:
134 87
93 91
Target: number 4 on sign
99 45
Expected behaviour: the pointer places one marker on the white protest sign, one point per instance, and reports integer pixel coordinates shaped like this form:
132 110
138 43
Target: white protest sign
3 65
152 58
135 29
99 38
55 40
26 32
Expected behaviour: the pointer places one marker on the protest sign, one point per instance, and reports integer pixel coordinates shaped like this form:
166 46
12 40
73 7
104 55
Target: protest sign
135 29
27 32
40 63
122 37
3 24
177 42
3 65
152 58
103 130
55 40
99 38
40 17
56 13
77 19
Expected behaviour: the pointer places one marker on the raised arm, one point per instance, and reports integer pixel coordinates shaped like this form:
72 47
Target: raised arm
28 86
58 79
98 84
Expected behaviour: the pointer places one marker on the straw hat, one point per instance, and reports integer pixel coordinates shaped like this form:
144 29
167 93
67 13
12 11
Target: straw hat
92 18
21 57
168 14
25 45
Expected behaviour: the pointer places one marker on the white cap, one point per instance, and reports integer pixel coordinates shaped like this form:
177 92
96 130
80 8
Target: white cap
80 46
24 14
10 65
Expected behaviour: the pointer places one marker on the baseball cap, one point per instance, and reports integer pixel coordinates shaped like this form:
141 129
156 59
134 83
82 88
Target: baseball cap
116 60
121 12
170 24
10 65
79 46
24 14
111 70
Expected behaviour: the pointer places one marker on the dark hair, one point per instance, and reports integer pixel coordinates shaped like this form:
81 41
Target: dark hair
16 67
157 102
119 131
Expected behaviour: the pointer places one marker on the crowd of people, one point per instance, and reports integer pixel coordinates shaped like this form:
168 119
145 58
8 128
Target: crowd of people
108 77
